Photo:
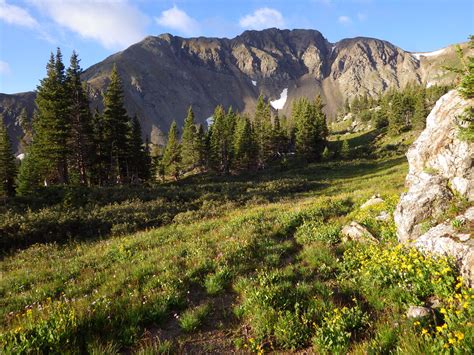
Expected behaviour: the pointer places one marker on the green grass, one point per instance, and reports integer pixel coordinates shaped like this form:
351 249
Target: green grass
257 264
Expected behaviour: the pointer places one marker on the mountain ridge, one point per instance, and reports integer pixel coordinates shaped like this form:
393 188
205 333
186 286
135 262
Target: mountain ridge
162 75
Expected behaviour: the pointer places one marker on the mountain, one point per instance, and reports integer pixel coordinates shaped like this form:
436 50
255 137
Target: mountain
163 75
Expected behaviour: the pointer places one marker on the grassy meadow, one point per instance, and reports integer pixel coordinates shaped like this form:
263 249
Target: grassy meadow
220 264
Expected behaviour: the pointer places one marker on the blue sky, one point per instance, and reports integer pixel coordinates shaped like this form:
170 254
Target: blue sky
30 29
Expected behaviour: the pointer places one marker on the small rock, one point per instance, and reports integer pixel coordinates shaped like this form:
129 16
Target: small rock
434 302
384 216
416 312
463 237
354 231
374 200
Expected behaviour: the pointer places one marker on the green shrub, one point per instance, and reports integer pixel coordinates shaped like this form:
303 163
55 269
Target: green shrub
192 319
292 329
338 327
217 282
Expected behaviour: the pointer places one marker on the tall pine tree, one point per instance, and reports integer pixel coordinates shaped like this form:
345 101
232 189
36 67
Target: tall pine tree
116 130
52 124
221 139
202 148
311 128
189 152
139 164
27 131
81 135
172 156
7 163
244 146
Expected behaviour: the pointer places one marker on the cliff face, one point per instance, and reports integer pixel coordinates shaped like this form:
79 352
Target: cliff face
441 169
163 75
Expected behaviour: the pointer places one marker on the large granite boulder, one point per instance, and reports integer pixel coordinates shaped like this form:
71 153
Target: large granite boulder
441 168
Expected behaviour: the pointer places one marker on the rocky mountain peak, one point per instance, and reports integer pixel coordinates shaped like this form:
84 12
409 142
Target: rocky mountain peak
162 75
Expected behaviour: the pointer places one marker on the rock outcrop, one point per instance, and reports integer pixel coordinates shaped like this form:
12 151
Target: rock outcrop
441 168
447 240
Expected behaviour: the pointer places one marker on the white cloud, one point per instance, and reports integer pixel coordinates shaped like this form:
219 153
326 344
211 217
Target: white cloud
178 20
113 23
4 68
16 15
345 20
263 18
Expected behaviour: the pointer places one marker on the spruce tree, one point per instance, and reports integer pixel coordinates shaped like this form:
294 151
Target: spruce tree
466 88
345 150
51 124
311 128
221 136
262 124
201 145
7 163
28 180
172 156
81 135
138 158
420 110
116 130
279 144
100 162
189 152
27 132
244 146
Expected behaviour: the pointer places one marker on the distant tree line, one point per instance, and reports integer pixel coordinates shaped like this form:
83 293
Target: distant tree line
235 142
398 110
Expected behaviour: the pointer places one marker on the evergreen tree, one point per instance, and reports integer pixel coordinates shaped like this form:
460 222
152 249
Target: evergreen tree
263 134
397 120
27 131
138 155
466 88
221 136
279 140
189 152
244 145
81 135
311 128
51 124
201 145
345 150
100 162
116 130
28 179
7 163
420 110
172 156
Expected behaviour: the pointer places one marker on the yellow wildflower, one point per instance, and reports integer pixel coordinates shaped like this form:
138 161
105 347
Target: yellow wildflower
424 331
459 335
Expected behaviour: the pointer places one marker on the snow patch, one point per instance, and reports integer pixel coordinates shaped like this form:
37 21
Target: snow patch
280 103
210 121
428 54
254 83
20 156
